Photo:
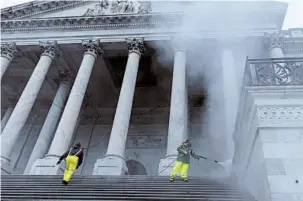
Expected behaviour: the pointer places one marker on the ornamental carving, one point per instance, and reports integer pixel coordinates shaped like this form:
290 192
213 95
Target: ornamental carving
106 7
36 8
135 45
49 48
98 22
146 141
274 40
92 46
281 113
9 50
270 72
66 75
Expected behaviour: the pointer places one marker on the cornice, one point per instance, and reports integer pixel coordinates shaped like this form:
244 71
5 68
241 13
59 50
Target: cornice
36 8
96 22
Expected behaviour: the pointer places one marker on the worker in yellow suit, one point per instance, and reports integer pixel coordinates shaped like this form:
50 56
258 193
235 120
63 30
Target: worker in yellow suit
182 161
73 159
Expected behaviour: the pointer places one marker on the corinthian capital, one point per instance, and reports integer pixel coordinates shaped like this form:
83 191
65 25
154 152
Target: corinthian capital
49 48
92 47
9 50
274 40
66 76
135 45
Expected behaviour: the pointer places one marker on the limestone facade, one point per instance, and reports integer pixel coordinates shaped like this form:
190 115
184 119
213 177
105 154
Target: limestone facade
130 86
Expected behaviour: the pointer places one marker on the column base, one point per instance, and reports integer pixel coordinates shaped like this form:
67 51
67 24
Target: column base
166 165
6 168
47 166
110 165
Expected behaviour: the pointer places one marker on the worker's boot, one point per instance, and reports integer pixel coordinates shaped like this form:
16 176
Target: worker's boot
64 182
185 179
172 178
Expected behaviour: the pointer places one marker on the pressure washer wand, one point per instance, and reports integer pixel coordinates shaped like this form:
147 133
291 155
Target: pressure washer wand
208 159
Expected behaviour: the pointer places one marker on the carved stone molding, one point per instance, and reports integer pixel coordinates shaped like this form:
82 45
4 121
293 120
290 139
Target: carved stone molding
146 141
136 45
9 51
32 9
97 22
49 48
106 7
274 40
280 113
92 46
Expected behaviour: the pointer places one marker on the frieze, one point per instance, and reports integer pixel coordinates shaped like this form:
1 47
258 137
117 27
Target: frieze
97 22
280 113
146 141
33 9
106 7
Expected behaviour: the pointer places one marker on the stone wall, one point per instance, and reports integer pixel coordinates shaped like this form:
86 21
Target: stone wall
268 137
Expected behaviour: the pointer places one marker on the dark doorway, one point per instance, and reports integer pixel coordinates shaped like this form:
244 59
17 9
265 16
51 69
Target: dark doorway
135 168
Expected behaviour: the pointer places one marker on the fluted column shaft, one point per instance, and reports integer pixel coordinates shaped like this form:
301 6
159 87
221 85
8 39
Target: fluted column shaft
9 52
26 101
6 117
50 123
117 141
64 132
176 128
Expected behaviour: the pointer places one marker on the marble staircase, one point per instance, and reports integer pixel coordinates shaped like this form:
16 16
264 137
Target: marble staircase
21 187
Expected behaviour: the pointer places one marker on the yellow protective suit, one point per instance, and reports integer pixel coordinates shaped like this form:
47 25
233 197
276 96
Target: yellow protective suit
71 165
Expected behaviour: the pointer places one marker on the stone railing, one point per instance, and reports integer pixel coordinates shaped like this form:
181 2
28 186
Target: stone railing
275 71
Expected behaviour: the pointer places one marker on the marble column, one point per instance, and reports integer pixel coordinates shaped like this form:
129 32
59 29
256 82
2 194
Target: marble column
64 133
25 103
9 51
6 117
177 133
274 43
51 121
230 99
114 163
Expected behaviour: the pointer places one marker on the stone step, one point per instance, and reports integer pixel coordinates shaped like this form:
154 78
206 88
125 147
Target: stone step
24 187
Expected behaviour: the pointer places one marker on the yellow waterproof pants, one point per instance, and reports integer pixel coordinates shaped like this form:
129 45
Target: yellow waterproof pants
71 165
179 167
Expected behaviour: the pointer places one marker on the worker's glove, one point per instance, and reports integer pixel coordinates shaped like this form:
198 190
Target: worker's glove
58 162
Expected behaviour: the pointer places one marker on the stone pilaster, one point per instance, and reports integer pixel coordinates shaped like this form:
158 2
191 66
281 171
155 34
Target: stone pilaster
9 52
178 117
64 133
26 101
51 121
114 163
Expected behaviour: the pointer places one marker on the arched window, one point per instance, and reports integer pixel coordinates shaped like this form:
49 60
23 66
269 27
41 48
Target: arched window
135 168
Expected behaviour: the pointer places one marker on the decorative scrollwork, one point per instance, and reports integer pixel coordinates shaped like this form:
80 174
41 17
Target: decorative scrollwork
274 40
278 72
9 51
92 46
136 45
50 48
281 113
